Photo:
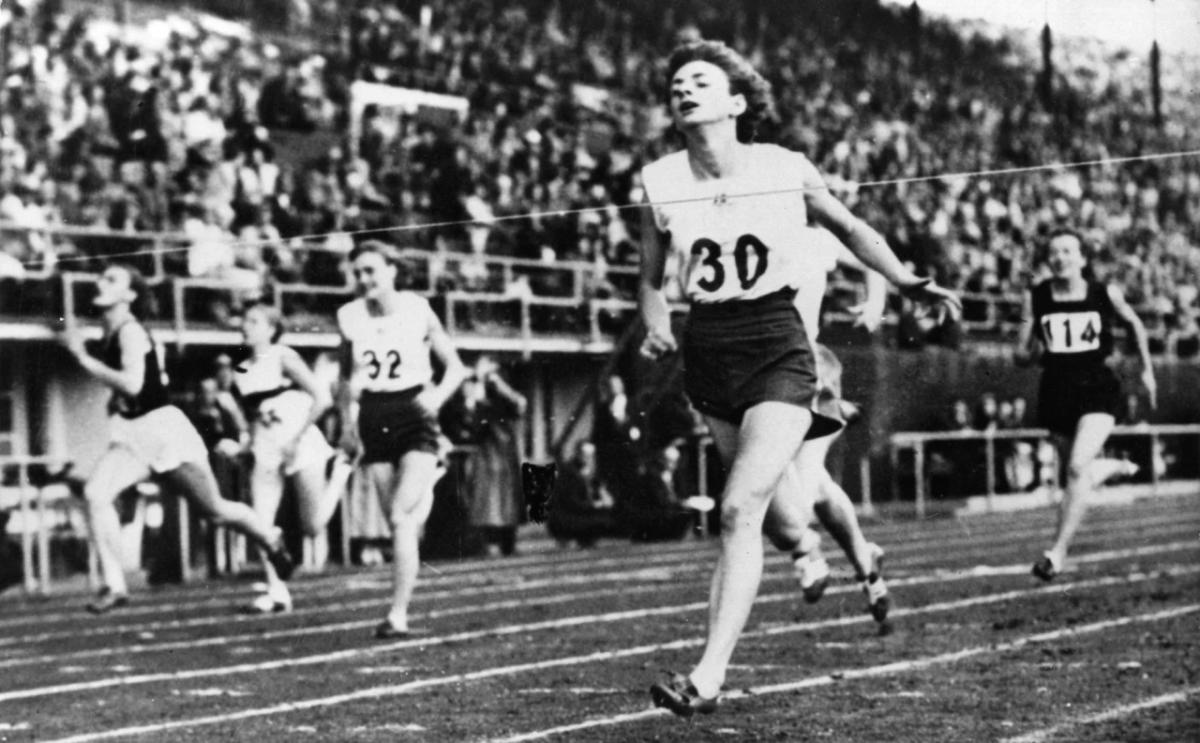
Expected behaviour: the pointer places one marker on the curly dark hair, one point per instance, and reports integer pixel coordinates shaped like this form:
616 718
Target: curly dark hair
743 80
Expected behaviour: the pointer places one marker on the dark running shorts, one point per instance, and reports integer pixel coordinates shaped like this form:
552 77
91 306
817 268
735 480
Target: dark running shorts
829 388
391 424
1066 396
741 353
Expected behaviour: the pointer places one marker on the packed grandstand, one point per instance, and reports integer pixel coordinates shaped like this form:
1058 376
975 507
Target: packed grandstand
252 148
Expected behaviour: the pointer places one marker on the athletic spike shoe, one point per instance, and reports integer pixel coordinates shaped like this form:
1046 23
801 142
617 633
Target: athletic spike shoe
385 630
106 601
271 602
813 573
281 560
1046 568
679 696
879 602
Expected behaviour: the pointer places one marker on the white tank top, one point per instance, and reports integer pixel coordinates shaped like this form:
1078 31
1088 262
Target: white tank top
262 374
816 259
391 352
737 238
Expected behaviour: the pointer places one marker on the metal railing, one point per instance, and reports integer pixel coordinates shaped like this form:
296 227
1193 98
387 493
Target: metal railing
483 279
32 507
919 441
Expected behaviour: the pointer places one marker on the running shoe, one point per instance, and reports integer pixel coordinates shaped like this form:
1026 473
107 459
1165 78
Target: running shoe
281 560
813 573
1046 568
106 601
879 602
680 696
385 630
271 602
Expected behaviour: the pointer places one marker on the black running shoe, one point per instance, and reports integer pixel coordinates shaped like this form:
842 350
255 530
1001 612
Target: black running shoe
680 696
1045 569
385 630
106 601
282 561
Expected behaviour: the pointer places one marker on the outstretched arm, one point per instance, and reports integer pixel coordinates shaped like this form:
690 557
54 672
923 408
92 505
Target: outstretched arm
868 245
870 312
1126 313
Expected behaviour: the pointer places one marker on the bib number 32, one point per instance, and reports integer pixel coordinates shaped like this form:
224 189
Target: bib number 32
747 275
375 367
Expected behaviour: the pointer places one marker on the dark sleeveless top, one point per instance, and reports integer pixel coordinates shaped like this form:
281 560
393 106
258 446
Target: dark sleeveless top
153 394
1077 334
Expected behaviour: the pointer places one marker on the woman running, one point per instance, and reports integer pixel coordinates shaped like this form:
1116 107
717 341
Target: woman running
1068 324
389 337
737 212
283 401
149 437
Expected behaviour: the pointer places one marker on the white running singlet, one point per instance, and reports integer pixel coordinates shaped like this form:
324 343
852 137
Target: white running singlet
263 374
738 237
391 352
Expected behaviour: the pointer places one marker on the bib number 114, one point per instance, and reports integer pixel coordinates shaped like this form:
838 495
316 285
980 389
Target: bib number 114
1071 332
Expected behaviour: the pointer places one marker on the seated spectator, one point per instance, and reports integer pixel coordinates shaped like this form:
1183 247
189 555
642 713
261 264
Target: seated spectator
654 513
987 412
581 508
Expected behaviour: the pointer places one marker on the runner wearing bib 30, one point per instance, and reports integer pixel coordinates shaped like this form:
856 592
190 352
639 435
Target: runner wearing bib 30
735 212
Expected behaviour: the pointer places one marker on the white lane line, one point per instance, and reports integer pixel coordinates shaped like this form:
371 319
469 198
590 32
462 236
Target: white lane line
608 655
471 572
916 546
1116 713
514 629
885 669
491 573
256 637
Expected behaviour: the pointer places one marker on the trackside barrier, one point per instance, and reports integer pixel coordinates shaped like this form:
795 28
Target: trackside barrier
43 504
37 509
919 442
587 303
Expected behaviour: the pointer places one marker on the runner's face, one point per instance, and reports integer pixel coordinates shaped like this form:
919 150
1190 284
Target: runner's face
256 328
1066 257
700 94
113 287
373 275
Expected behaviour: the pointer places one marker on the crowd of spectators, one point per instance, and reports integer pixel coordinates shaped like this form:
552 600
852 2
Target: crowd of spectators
181 125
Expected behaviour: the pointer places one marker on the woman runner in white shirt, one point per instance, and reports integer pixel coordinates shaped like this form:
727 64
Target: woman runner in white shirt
282 401
388 337
737 211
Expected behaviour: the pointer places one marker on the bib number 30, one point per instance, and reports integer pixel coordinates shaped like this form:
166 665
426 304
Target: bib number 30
747 275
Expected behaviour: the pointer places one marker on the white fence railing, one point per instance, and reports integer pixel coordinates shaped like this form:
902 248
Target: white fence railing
36 509
919 442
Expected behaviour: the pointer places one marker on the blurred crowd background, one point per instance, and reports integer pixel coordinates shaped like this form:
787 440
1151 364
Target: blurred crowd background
244 142
238 137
